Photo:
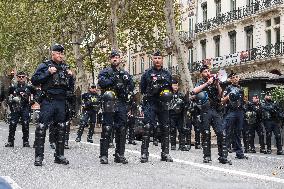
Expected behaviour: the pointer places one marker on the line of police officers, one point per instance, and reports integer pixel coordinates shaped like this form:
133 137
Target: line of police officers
208 105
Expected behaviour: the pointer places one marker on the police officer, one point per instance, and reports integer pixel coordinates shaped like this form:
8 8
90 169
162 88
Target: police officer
55 79
177 118
270 114
193 120
233 97
253 117
116 85
156 85
70 114
132 114
208 94
90 108
20 102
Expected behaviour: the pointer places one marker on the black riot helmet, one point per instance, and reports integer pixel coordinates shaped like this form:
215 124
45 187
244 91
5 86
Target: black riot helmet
234 95
166 95
109 96
201 98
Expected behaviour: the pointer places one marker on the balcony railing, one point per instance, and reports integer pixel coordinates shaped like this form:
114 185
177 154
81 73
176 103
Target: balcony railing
243 57
239 13
186 36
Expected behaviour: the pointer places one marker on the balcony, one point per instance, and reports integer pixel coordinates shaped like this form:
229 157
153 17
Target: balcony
185 37
243 57
239 13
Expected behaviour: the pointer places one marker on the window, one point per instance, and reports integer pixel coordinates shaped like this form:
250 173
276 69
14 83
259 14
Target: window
204 11
276 20
218 7
250 2
233 5
268 36
232 35
134 67
190 29
203 48
268 23
170 61
249 37
217 45
142 64
190 58
277 35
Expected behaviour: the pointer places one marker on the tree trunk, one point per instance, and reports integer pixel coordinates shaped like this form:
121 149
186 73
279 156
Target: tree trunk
81 77
113 24
179 48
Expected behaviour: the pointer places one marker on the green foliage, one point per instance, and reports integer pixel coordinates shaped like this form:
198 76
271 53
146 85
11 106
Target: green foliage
278 95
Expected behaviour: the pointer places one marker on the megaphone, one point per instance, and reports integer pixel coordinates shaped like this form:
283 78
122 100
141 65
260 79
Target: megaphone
222 75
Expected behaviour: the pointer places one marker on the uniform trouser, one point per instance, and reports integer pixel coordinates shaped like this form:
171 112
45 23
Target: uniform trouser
151 111
114 121
245 134
196 123
87 116
23 114
233 124
52 112
212 117
131 128
177 124
272 126
67 131
258 128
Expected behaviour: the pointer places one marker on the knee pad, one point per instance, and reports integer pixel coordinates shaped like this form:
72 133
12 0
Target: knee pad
107 130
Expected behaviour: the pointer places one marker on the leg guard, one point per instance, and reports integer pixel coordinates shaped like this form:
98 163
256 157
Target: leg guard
104 143
120 140
91 133
25 130
40 133
145 144
80 131
59 151
268 142
207 144
67 133
173 134
11 137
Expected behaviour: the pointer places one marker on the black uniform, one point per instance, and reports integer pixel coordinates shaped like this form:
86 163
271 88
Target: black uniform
253 118
193 119
156 87
20 106
70 114
270 114
116 85
234 118
177 121
133 113
53 106
211 115
90 106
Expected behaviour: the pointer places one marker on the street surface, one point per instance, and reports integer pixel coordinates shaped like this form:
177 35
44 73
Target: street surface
85 171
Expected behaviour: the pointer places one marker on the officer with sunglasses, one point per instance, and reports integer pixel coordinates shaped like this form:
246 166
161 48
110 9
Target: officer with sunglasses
20 101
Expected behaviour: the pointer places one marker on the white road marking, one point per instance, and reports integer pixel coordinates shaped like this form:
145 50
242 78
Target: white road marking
10 181
210 167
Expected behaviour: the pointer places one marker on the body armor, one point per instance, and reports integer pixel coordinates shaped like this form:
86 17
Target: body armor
177 103
109 98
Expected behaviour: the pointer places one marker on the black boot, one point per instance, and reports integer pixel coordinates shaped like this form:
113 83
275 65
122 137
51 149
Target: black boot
67 133
80 132
104 145
120 140
144 149
131 131
11 137
59 151
39 143
91 133
182 142
25 130
165 156
261 142
222 149
268 142
206 146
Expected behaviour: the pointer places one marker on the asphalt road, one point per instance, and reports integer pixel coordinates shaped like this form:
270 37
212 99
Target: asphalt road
85 171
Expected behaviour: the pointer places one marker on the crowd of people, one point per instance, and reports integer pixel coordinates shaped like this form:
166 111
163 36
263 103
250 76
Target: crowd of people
164 108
